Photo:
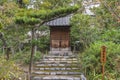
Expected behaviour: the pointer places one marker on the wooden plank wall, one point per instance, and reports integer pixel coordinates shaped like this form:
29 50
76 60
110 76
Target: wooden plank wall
60 37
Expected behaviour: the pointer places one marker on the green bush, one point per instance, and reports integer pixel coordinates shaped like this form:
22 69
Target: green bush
91 59
24 58
10 71
111 35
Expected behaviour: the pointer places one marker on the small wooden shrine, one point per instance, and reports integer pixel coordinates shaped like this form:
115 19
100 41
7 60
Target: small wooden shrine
60 34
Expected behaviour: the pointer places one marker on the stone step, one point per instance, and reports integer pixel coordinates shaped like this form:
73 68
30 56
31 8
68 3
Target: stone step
56 65
67 57
57 62
44 75
59 66
57 78
56 68
55 73
59 59
47 67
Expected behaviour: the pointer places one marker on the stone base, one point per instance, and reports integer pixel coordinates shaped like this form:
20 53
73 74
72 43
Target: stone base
60 53
60 49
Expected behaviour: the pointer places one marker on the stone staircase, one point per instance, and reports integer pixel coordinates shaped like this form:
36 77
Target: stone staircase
57 67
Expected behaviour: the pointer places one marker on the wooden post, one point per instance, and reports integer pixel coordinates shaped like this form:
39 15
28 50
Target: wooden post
103 60
103 70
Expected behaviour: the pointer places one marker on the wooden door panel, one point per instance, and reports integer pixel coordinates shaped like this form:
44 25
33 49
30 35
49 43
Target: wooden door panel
60 38
55 43
64 43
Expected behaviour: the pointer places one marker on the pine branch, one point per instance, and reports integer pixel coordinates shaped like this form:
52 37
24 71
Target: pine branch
33 18
110 9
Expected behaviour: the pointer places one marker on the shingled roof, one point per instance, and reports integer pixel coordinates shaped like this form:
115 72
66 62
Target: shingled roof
62 21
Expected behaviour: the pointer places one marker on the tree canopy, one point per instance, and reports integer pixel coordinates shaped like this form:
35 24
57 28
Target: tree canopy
41 16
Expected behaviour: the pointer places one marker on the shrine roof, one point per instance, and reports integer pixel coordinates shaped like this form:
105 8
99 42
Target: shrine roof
62 21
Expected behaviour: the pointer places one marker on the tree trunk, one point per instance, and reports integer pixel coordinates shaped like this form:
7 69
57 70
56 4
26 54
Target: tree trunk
3 50
19 47
7 52
12 50
35 37
5 46
32 52
20 2
6 49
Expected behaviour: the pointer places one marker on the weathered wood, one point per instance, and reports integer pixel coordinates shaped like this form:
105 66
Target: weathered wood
60 37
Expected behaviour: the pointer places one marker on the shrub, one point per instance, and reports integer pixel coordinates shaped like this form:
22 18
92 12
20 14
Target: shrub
91 59
111 35
24 58
10 71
